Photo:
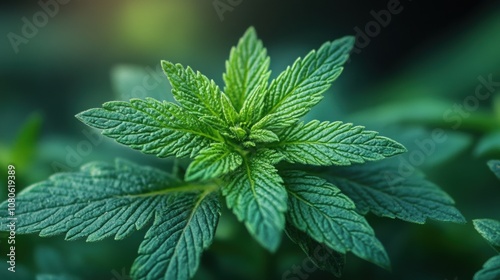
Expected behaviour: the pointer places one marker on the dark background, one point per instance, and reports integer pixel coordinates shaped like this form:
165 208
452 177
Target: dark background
430 51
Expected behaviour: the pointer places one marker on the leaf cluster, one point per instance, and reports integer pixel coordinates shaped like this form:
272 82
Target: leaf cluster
489 229
248 144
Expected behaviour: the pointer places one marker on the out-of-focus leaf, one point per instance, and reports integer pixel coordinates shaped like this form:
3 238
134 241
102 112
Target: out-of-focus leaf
320 254
384 190
49 259
45 276
24 145
488 145
437 145
495 167
133 81
490 271
421 110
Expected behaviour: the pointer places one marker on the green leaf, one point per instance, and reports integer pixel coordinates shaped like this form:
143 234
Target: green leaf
246 69
297 89
321 255
214 123
151 126
24 146
212 162
490 271
382 189
99 201
194 91
494 165
257 197
238 132
328 216
416 109
272 156
489 230
253 106
263 135
334 143
488 144
173 245
230 114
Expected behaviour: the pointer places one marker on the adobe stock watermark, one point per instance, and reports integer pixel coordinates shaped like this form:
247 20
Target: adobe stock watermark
121 275
307 267
372 29
459 111
75 155
31 26
454 116
11 217
223 6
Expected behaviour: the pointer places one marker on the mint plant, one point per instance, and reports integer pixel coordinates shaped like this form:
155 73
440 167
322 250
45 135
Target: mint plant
248 145
489 229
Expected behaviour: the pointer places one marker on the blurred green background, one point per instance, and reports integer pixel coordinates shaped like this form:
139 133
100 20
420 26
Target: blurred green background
408 75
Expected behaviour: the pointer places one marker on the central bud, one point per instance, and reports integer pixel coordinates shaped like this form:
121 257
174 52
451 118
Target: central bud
239 132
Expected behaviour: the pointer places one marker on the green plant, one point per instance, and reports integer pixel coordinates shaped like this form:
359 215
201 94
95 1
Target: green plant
490 231
276 172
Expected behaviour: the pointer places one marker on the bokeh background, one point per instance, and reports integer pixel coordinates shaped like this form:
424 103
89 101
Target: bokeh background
405 79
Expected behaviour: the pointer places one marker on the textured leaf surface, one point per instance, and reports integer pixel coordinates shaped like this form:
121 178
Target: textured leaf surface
489 230
153 127
320 254
490 270
194 91
263 135
173 245
257 197
230 114
297 89
494 165
246 69
334 143
99 201
253 106
216 160
323 212
381 189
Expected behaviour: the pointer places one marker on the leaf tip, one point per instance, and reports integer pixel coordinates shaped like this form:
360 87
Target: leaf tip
80 116
350 40
400 148
250 32
84 116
